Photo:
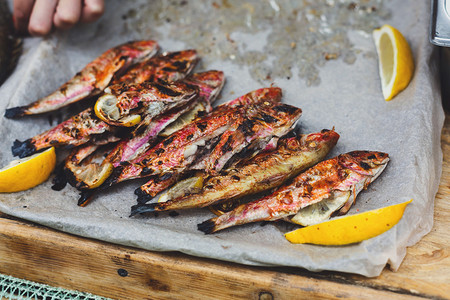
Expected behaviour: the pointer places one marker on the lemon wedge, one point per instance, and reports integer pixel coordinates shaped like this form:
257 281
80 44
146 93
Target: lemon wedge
183 120
395 60
90 176
106 110
350 229
190 185
25 173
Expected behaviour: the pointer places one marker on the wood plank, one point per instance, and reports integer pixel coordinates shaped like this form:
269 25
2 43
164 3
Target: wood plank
44 255
55 258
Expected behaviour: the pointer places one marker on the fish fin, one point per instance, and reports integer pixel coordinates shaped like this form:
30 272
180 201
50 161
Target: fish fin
85 197
60 179
143 197
207 227
142 208
23 149
15 112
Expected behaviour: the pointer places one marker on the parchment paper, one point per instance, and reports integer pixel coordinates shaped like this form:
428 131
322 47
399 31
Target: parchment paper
348 97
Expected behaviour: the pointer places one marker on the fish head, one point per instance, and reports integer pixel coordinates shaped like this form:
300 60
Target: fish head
324 137
370 163
277 117
139 50
174 66
263 96
209 83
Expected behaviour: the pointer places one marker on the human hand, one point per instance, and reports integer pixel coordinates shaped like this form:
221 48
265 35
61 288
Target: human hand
38 17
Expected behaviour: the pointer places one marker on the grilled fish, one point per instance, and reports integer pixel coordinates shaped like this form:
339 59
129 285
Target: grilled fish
169 66
209 84
236 146
347 173
77 130
86 126
263 172
125 105
179 150
90 81
10 45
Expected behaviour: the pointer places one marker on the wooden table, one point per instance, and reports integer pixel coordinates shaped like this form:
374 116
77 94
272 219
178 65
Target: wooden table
48 256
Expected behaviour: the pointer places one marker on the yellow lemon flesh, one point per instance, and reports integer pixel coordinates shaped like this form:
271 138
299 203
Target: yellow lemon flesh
183 120
350 229
106 110
190 185
92 175
395 60
25 173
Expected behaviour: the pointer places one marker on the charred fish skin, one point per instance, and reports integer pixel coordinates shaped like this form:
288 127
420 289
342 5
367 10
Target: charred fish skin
253 129
10 45
75 131
92 80
86 122
167 67
261 173
257 129
176 151
147 99
208 83
342 173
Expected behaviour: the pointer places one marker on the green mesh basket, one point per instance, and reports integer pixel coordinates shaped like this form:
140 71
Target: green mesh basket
15 288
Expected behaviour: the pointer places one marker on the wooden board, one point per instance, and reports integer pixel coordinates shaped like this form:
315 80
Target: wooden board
44 255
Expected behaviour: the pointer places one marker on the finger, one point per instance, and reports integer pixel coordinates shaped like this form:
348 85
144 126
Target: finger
67 13
92 10
21 12
41 19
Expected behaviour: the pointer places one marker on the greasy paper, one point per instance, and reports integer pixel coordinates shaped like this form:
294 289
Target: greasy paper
347 97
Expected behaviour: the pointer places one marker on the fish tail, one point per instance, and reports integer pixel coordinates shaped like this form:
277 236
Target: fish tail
143 208
60 180
85 197
208 227
23 149
143 197
15 112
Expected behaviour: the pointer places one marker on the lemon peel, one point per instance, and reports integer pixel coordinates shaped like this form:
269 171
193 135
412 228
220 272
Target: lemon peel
395 60
25 173
350 229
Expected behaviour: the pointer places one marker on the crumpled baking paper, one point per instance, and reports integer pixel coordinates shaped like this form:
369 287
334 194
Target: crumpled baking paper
348 98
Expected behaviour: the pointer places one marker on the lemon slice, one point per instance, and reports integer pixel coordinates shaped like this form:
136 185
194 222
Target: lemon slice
106 110
183 120
321 211
190 185
395 60
350 229
25 173
90 176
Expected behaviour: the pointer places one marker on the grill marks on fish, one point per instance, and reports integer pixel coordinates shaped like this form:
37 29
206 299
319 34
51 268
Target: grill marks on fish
82 127
92 80
336 175
75 131
261 173
167 67
218 121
